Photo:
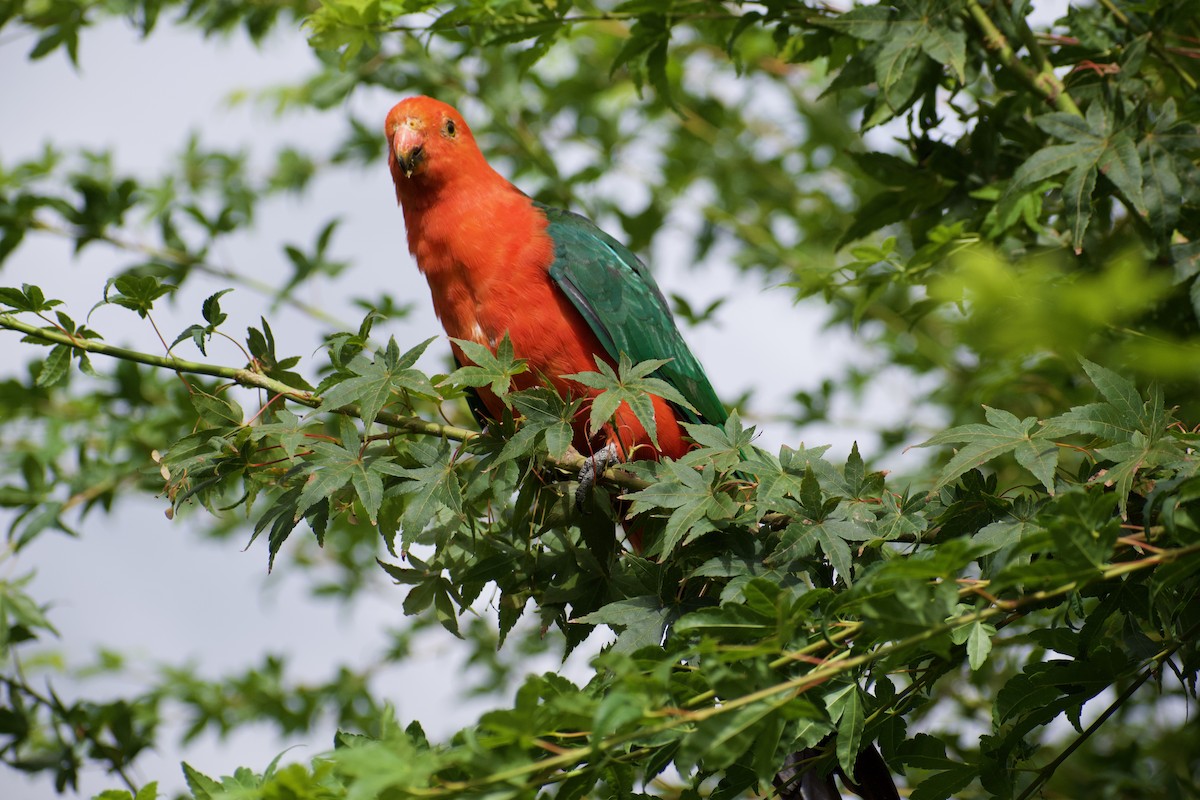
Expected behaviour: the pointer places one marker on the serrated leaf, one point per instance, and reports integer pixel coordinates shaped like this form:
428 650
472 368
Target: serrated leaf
1101 419
288 428
493 370
1162 190
55 367
547 418
947 46
720 740
197 333
27 298
376 380
869 23
1117 390
640 621
1121 165
846 708
217 411
1005 433
1077 202
135 292
427 489
690 495
836 550
1068 127
629 385
1053 160
369 487
211 308
945 783
201 786
979 644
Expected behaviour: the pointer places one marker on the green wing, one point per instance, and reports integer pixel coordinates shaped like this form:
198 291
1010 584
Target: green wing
622 304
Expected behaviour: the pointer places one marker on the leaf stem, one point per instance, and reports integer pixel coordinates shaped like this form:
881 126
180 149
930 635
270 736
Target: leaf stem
1043 80
1154 45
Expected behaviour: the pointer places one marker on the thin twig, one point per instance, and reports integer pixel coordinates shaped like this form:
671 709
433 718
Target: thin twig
1155 47
1047 771
184 259
1043 80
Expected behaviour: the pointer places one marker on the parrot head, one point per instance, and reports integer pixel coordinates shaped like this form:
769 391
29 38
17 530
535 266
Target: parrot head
427 141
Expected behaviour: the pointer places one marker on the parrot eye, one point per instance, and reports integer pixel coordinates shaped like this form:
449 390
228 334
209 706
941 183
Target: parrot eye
448 128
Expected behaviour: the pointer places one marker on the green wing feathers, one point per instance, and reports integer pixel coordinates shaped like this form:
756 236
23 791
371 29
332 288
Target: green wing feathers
622 304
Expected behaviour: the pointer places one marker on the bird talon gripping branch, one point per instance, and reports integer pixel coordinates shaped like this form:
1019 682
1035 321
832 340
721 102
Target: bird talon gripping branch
592 469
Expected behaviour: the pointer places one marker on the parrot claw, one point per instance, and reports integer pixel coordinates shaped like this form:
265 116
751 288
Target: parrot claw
593 468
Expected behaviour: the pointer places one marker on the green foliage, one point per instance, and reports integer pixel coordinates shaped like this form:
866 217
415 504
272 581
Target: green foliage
631 385
1028 241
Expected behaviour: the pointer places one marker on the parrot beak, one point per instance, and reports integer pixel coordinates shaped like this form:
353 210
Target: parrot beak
409 148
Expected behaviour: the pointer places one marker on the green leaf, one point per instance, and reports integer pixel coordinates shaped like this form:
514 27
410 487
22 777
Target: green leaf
333 466
493 370
217 411
1054 160
135 292
835 548
427 489
1161 189
979 644
1121 165
691 496
783 477
630 385
376 381
1068 127
947 46
722 446
1005 434
846 709
945 783
548 418
55 367
1119 391
869 22
27 298
200 785
211 308
722 739
1077 202
288 429
18 610
639 621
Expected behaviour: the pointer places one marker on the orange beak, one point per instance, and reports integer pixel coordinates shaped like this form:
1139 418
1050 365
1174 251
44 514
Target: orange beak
409 146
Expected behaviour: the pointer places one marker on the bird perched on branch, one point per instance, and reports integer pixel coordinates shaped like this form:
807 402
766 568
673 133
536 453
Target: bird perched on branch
563 291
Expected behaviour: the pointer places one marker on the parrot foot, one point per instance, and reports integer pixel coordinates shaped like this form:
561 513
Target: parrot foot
593 468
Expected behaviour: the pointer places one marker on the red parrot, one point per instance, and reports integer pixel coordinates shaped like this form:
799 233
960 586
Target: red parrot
564 291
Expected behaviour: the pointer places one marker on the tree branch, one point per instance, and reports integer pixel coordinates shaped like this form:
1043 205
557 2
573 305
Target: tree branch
1155 47
568 464
537 772
1043 80
1156 661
